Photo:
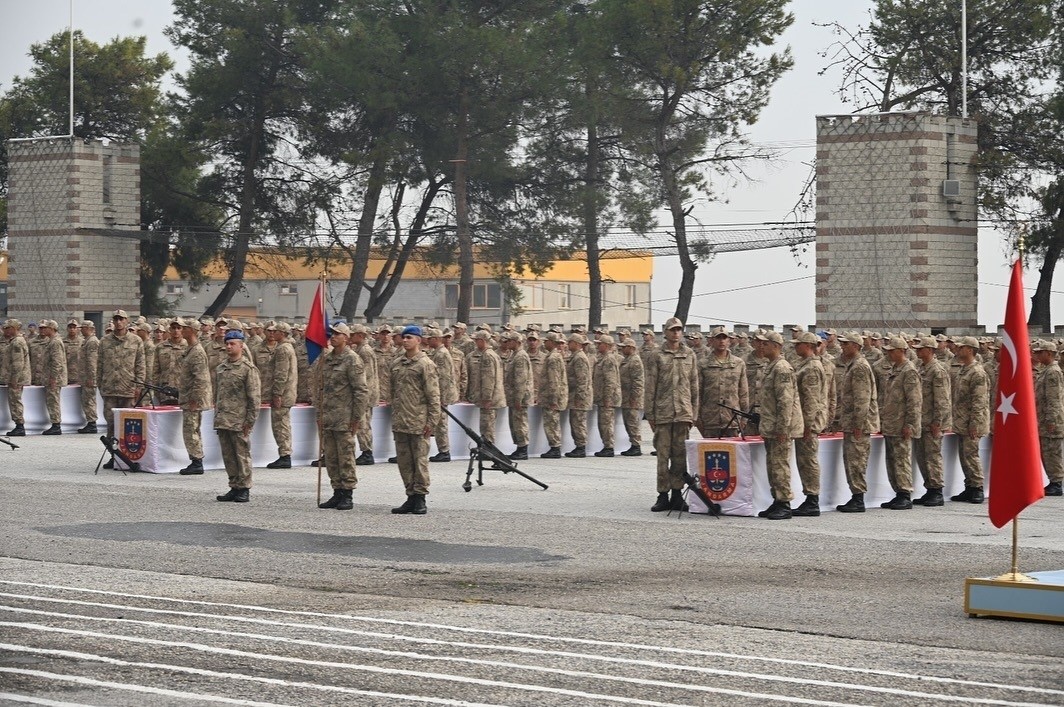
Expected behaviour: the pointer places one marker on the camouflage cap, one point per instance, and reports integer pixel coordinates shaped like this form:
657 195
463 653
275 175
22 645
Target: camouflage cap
484 327
120 314
460 325
606 339
358 328
693 334
941 337
88 323
176 322
852 337
599 330
339 328
533 334
433 333
554 336
234 325
718 331
221 321
797 328
578 338
384 329
1040 345
270 326
808 337
284 327
896 342
926 342
73 322
672 323
186 322
143 326
482 334
774 337
626 343
447 333
969 341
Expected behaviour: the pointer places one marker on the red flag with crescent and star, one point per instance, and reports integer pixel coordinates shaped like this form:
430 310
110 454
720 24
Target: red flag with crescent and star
1016 461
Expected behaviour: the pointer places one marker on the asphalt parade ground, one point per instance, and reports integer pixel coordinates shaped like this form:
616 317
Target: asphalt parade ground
141 589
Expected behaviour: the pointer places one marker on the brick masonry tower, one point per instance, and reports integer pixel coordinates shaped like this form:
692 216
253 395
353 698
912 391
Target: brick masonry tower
68 202
896 229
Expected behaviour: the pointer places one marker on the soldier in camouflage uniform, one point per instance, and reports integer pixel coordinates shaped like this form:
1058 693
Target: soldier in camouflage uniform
633 390
168 358
724 382
971 417
87 357
261 350
216 354
461 375
741 346
192 379
441 357
936 418
284 373
781 421
341 415
236 408
858 417
812 386
71 343
755 362
537 358
386 354
649 346
415 414
831 344
553 394
18 374
671 407
120 369
54 365
486 389
694 341
36 349
299 345
517 384
578 376
1049 404
359 342
827 363
461 340
899 419
143 332
606 391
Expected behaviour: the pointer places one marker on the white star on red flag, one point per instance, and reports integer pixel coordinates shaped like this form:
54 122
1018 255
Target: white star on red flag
1006 407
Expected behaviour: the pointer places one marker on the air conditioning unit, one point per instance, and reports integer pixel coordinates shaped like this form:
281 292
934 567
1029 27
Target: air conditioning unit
951 188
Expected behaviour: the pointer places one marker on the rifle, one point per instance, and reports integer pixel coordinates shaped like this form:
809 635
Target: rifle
738 415
111 447
486 450
167 392
694 487
8 442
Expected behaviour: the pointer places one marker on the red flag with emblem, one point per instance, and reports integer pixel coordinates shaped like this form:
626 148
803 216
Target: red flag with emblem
317 333
1016 462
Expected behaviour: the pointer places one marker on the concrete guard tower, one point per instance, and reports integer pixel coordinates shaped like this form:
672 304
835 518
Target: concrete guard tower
896 222
68 202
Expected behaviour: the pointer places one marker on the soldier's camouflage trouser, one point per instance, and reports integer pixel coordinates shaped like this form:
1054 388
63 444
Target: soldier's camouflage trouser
190 432
487 424
1052 458
365 430
778 466
51 402
929 457
519 426
633 425
442 433
855 451
109 404
14 404
899 463
412 454
338 456
670 443
805 456
578 426
88 404
281 424
552 427
606 418
971 465
236 456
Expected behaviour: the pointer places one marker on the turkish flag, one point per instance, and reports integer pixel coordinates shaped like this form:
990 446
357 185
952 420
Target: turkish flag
1016 462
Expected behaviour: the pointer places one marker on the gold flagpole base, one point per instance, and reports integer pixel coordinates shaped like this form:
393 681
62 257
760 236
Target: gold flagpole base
1014 577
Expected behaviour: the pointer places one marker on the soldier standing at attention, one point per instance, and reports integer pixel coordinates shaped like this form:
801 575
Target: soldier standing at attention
236 407
168 358
386 353
216 353
358 340
36 348
54 365
341 415
633 390
553 395
606 390
971 417
781 421
517 382
936 418
723 380
858 418
415 413
299 345
285 383
1049 403
537 358
194 393
262 356
578 375
441 357
71 343
649 347
143 331
827 363
671 406
812 395
18 374
486 389
120 367
900 421
87 356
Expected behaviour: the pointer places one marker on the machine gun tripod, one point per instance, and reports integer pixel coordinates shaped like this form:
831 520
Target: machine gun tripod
110 446
5 440
740 419
485 450
165 391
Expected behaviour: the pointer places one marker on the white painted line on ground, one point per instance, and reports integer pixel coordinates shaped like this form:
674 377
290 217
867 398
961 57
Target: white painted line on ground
158 691
533 651
74 655
443 677
39 701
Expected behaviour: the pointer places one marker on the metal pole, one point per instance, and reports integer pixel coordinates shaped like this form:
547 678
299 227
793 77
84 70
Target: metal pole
71 69
964 58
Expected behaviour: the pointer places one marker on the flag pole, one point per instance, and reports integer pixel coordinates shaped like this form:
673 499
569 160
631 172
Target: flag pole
322 284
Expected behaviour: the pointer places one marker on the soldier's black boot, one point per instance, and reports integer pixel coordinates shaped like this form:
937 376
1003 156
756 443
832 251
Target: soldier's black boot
662 504
605 452
419 508
407 507
519 454
345 503
676 502
900 502
577 453
393 460
194 468
440 457
17 431
782 511
854 505
364 459
810 508
1054 488
970 494
109 464
242 496
333 500
282 462
53 430
315 462
933 497
230 495
88 429
633 451
552 453
976 495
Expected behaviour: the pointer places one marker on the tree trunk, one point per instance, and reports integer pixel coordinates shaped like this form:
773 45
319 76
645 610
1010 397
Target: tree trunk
1040 301
364 241
679 226
591 211
461 213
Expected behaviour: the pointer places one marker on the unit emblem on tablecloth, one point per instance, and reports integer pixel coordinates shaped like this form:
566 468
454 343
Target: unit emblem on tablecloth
133 442
716 475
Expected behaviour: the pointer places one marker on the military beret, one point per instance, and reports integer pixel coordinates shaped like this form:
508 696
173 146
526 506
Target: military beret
120 314
413 330
673 323
852 337
481 334
969 341
774 337
895 342
808 337
606 339
234 334
88 323
339 328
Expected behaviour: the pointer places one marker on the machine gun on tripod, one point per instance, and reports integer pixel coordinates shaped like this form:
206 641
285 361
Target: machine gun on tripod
485 450
165 392
739 418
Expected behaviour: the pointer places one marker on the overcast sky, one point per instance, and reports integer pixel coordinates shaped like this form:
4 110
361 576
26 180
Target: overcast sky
786 291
